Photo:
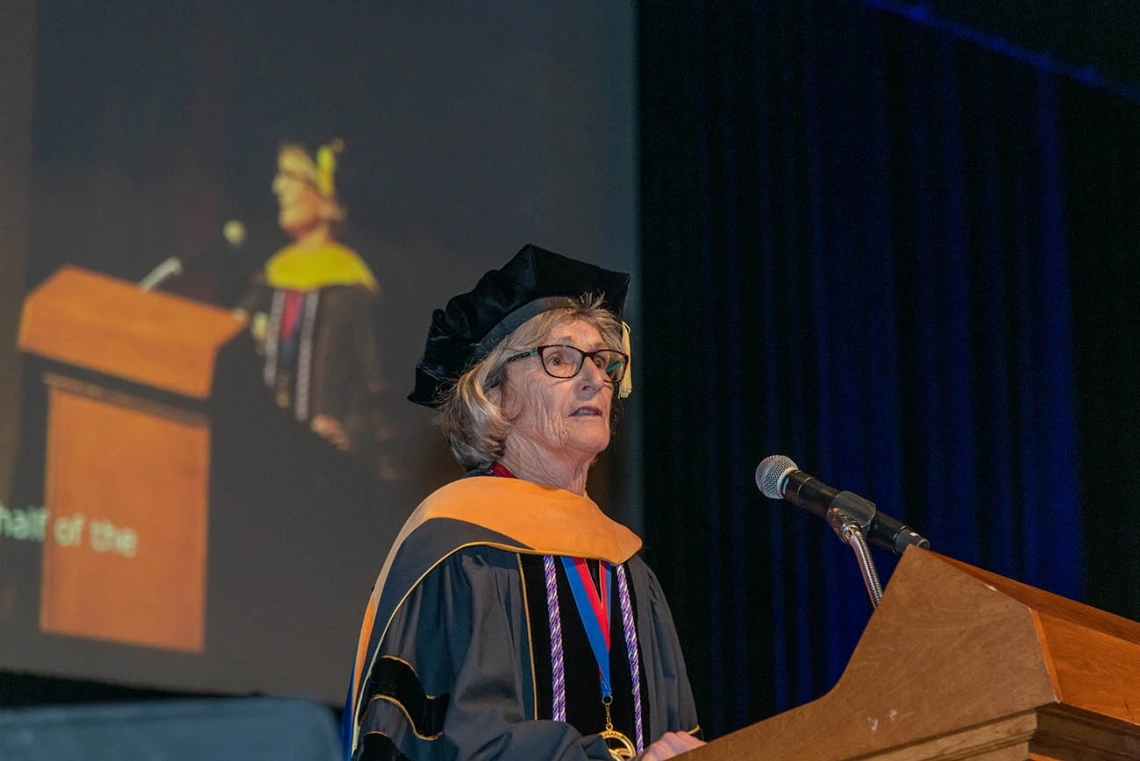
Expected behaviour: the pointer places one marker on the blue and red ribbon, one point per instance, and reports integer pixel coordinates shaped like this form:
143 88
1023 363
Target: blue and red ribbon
594 609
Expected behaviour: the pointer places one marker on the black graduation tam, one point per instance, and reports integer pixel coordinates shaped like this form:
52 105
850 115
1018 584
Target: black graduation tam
534 281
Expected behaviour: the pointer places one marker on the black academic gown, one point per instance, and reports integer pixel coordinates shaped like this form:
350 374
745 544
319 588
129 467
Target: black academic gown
454 659
328 363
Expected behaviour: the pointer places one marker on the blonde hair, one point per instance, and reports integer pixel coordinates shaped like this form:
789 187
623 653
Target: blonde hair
476 427
319 172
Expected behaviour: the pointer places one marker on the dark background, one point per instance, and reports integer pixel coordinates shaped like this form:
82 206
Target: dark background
896 242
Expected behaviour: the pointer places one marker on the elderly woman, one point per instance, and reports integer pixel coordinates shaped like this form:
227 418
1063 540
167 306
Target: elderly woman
512 619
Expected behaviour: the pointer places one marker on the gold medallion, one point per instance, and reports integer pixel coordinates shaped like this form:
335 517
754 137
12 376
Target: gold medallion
619 746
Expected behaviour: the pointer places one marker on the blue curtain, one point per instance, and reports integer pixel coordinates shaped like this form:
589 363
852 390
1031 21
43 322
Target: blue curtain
855 253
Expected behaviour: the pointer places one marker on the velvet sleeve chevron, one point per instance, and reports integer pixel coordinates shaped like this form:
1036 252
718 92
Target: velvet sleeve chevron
395 682
407 692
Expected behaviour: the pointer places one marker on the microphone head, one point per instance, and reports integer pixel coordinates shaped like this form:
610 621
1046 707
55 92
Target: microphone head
770 475
234 233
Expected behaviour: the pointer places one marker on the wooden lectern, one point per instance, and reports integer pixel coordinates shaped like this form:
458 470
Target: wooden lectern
958 663
128 457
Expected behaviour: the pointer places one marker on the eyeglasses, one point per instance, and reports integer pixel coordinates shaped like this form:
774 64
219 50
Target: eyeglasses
561 361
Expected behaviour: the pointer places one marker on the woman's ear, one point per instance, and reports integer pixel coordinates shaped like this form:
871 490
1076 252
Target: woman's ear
498 395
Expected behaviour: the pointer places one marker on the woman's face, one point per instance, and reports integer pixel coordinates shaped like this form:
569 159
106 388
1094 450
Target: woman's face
300 208
566 417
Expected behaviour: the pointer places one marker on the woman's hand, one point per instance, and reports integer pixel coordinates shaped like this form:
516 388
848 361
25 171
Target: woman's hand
331 429
671 744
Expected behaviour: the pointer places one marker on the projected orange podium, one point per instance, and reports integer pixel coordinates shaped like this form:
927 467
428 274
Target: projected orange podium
128 457
959 663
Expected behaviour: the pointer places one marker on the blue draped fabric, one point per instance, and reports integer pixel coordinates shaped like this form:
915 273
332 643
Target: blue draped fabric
855 254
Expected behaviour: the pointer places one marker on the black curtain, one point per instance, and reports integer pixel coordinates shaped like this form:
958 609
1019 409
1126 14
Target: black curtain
889 254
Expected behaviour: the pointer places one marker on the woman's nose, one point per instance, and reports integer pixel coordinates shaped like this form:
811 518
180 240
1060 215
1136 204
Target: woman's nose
591 373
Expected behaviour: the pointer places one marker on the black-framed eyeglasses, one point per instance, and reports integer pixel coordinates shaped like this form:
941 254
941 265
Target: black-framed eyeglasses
562 361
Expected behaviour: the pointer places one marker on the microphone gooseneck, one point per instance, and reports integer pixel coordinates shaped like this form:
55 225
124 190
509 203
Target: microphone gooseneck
233 234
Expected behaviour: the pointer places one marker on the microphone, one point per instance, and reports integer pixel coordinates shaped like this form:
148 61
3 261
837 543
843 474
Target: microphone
233 233
778 477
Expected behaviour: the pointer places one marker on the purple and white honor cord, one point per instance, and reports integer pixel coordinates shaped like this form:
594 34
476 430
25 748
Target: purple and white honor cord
557 662
558 668
634 656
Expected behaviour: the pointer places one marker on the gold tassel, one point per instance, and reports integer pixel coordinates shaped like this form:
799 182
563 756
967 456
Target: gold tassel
326 167
626 387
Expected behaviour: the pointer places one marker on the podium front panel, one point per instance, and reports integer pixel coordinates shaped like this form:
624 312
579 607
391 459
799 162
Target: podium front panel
127 492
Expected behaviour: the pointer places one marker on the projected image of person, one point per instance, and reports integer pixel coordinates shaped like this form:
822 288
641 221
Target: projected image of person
512 618
312 309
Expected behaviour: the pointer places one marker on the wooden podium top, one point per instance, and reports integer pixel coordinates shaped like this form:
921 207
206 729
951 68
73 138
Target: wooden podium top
960 663
107 325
